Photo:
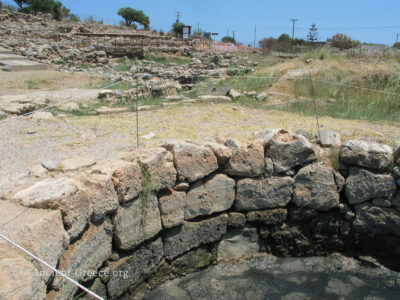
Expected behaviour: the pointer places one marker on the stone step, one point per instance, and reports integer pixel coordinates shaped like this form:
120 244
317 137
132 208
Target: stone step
22 65
5 51
10 56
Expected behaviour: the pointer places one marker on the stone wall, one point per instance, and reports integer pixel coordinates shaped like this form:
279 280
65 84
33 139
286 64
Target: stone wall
122 226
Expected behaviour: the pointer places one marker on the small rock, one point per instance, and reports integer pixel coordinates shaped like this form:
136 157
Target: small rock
261 96
329 138
149 136
50 165
331 100
234 94
72 164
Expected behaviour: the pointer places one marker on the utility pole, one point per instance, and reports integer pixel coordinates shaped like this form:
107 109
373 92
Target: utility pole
178 16
397 38
255 35
234 34
294 21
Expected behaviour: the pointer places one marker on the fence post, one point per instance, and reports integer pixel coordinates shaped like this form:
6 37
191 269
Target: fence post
315 105
137 115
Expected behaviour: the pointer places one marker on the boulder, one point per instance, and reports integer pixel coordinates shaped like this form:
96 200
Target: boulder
369 155
315 187
238 243
236 219
172 208
39 231
19 278
329 138
131 270
159 163
267 216
288 150
193 234
247 158
264 136
102 195
126 176
64 194
262 96
72 164
192 162
234 94
263 193
363 185
222 152
137 223
373 220
83 258
215 195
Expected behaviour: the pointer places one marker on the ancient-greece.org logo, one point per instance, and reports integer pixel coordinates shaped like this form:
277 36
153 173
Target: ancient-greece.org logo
83 273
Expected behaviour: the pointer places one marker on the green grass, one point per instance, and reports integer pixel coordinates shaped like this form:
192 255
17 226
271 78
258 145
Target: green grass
168 60
247 84
350 103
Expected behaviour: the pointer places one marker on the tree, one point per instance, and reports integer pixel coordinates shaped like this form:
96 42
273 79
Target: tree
228 39
343 42
132 16
21 3
268 44
53 7
313 35
284 43
177 29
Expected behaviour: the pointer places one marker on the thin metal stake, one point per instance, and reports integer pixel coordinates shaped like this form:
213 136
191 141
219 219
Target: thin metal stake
315 105
137 116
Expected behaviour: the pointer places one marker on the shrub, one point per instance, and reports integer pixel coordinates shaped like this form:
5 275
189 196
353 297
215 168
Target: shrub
268 44
343 42
396 45
74 18
284 43
177 29
228 39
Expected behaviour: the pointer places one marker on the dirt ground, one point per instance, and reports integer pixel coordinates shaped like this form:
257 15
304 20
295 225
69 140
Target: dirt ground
27 142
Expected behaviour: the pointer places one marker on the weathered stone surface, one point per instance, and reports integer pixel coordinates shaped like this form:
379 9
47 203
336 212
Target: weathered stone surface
300 214
192 162
363 185
264 136
193 234
369 155
340 181
102 195
398 155
126 176
18 277
65 194
234 94
37 230
238 243
160 164
315 187
172 208
396 200
288 150
131 270
329 138
138 223
236 219
268 216
264 193
97 287
374 220
191 261
84 257
76 163
215 195
247 158
222 152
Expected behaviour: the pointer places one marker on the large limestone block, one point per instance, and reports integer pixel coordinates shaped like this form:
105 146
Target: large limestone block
216 195
263 193
238 243
192 162
288 150
193 234
64 194
315 187
102 195
172 208
222 152
126 176
247 158
138 223
363 185
376 220
369 155
39 231
19 278
159 163
131 270
329 138
84 257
